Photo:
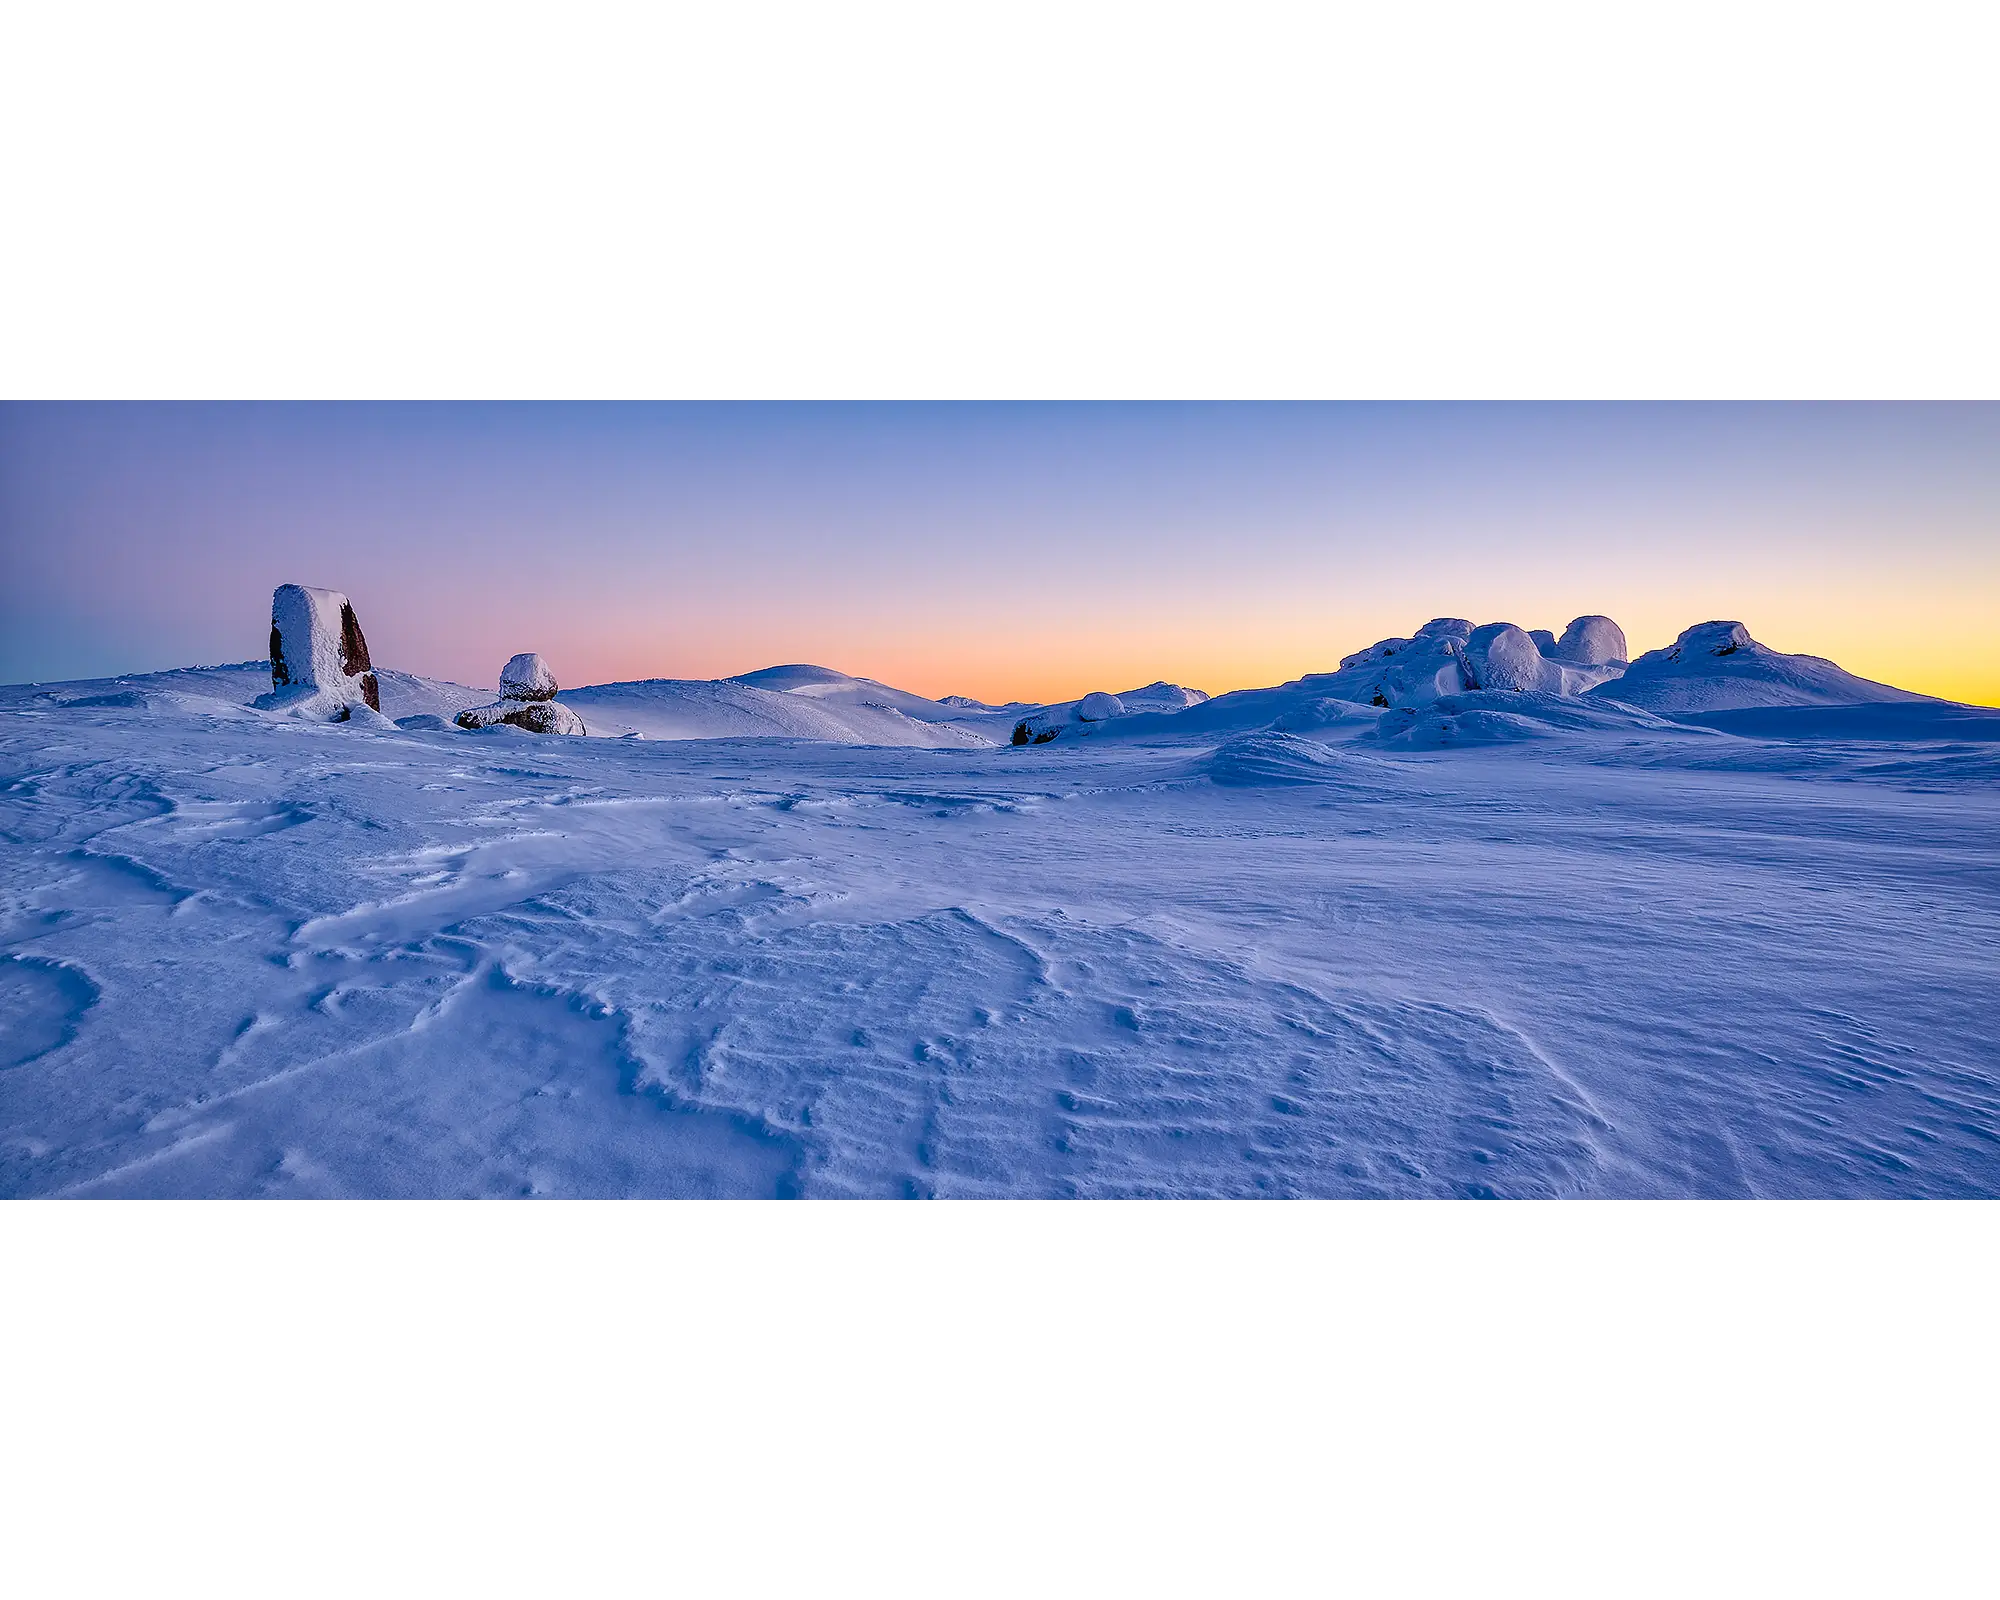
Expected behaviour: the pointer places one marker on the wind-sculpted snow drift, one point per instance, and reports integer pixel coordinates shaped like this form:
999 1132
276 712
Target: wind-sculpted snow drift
1492 940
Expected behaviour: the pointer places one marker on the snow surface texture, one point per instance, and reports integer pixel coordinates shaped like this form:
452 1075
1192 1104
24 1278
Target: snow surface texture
527 701
319 659
1498 942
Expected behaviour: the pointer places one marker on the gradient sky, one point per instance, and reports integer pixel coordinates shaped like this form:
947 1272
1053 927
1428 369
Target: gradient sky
1003 551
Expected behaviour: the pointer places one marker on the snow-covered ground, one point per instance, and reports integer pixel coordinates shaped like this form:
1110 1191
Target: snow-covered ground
1274 944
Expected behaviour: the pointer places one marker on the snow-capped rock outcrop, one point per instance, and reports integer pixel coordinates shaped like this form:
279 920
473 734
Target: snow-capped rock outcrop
319 659
1717 666
1449 656
1446 657
527 700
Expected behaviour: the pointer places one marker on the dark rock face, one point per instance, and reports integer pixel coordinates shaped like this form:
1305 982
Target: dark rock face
354 657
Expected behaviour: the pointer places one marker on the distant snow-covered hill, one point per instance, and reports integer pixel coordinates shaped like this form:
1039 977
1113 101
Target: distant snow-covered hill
837 688
833 709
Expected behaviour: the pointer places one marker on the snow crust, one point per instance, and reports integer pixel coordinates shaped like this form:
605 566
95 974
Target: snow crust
1280 943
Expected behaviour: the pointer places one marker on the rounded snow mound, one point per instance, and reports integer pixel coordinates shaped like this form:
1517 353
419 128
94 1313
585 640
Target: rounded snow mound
1717 666
1272 758
1591 642
527 677
1099 707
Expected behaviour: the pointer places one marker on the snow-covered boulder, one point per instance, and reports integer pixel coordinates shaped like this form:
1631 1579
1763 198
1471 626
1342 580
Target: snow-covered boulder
527 700
1591 642
537 716
319 659
1501 657
1099 707
527 677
